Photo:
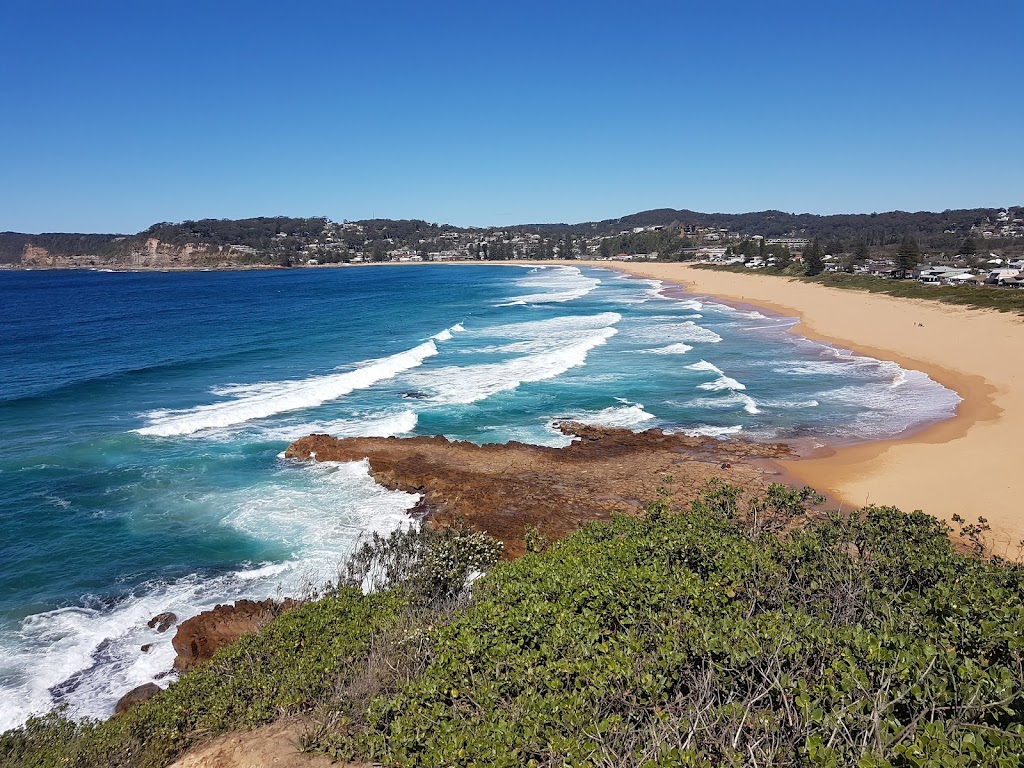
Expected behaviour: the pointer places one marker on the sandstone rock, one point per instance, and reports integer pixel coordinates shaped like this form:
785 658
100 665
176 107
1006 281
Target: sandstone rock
136 696
507 489
199 637
162 621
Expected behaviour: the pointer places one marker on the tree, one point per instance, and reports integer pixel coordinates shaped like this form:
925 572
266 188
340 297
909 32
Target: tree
968 247
908 255
813 264
861 254
605 250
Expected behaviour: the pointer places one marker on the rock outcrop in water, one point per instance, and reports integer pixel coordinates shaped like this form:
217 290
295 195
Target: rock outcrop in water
198 638
136 696
507 489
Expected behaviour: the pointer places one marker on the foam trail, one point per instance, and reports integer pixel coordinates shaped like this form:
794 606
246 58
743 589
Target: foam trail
468 384
88 656
707 430
261 401
621 417
724 382
391 425
556 327
670 329
671 349
562 284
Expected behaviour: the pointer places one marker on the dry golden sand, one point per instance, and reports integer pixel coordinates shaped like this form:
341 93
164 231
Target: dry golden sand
970 465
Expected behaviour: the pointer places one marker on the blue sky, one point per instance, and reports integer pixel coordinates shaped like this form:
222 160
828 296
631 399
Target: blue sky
120 114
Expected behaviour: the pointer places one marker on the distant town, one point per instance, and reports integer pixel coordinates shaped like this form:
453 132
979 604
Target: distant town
955 247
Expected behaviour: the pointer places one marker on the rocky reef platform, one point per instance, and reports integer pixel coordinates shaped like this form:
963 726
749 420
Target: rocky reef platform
507 489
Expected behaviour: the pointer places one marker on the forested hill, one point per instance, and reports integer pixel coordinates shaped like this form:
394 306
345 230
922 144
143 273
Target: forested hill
281 239
843 226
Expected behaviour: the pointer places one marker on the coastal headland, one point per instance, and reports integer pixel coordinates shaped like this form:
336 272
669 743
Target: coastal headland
968 465
509 489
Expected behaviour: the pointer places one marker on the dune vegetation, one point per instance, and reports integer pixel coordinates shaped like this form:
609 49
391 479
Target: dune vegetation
736 631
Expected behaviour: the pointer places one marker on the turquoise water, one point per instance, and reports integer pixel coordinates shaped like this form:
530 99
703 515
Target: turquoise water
144 416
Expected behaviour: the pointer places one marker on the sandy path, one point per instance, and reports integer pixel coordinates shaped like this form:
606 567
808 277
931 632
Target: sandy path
971 464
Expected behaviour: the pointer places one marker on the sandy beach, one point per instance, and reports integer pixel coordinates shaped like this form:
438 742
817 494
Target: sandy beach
968 465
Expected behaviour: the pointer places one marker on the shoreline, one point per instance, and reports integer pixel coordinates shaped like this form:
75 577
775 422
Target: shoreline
965 465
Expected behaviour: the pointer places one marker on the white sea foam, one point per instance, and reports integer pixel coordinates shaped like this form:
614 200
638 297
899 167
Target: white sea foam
882 408
468 384
271 398
706 430
553 328
390 425
672 349
789 404
726 309
621 417
553 285
446 334
87 657
723 382
669 329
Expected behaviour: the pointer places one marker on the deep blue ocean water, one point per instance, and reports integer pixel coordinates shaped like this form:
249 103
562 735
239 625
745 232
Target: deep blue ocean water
143 417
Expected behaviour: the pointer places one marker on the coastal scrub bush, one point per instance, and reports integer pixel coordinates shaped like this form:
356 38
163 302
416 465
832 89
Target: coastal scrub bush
291 665
433 566
694 638
331 655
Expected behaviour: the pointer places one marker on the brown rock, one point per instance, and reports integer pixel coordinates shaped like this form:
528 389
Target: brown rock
199 637
507 489
147 648
136 696
162 621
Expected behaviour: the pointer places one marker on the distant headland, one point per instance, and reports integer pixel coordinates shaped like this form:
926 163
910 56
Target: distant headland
662 234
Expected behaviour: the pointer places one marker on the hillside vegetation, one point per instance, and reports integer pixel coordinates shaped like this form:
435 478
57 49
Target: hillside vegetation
733 632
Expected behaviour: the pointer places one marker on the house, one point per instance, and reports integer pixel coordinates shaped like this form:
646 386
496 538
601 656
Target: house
936 275
963 278
997 276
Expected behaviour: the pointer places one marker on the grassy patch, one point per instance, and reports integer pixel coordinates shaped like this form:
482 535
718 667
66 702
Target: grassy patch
987 297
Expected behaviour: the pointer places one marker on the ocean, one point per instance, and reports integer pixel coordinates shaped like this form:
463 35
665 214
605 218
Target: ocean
144 415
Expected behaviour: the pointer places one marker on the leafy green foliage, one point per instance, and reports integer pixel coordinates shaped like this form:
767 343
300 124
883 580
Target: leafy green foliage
734 632
290 666
696 639
433 566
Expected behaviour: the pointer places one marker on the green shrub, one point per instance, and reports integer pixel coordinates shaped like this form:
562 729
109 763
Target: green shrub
694 639
293 664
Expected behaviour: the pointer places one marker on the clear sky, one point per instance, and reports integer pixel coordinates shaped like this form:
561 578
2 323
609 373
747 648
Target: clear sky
117 115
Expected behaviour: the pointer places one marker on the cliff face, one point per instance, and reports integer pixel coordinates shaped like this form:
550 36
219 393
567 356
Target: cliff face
129 253
507 489
151 254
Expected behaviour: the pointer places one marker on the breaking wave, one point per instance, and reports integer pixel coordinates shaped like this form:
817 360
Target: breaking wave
620 417
672 349
557 285
87 656
468 384
258 401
